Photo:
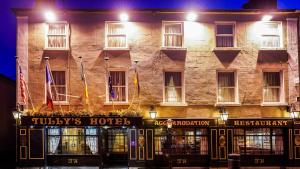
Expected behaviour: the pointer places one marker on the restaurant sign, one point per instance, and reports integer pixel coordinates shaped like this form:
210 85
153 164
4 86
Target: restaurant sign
253 122
82 121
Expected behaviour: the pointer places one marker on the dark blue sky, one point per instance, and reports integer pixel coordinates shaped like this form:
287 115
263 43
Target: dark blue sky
8 26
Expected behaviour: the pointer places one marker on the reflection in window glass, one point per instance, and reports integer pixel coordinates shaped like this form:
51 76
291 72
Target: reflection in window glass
117 140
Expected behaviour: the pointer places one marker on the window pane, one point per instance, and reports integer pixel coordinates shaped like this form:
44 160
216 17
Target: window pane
224 29
117 140
173 89
73 141
57 29
173 35
272 86
225 41
57 36
116 35
226 87
270 35
59 88
173 28
119 85
270 41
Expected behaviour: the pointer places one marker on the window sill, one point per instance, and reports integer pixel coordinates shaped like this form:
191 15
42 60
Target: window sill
173 48
274 104
115 103
57 49
61 103
272 49
116 49
227 104
179 104
227 49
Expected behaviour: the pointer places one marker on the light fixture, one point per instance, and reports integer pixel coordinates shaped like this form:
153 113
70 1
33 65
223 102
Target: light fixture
223 114
292 110
124 17
17 116
169 123
152 112
50 16
191 16
266 18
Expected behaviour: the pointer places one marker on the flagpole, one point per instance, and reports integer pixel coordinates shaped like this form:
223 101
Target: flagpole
26 87
87 100
50 71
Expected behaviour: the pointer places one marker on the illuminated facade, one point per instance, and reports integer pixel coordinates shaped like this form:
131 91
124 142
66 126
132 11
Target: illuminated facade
194 74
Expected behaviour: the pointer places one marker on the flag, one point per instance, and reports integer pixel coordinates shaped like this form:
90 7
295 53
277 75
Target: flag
136 81
86 94
49 80
22 86
110 87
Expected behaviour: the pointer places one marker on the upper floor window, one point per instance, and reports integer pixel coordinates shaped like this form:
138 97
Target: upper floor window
116 36
173 34
271 35
225 35
227 90
173 87
58 88
57 36
272 86
117 89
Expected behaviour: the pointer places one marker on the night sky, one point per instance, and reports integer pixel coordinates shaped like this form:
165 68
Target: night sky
8 26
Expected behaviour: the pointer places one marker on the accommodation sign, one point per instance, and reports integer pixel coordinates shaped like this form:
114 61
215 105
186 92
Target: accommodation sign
82 121
260 122
183 122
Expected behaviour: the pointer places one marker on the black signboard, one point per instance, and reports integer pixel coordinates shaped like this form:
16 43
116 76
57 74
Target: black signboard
81 121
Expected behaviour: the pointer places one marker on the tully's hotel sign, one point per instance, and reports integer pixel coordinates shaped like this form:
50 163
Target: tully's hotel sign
82 121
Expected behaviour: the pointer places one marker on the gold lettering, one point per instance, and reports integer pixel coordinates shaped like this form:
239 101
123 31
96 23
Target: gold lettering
77 121
236 123
268 123
59 121
102 121
118 121
110 121
126 121
67 120
274 123
93 121
279 122
156 123
247 123
34 120
285 122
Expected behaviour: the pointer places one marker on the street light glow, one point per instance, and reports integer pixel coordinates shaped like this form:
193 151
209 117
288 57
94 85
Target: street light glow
266 18
50 16
124 17
191 16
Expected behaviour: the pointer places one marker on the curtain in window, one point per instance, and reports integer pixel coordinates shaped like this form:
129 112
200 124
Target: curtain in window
226 87
173 35
116 35
173 87
119 85
271 86
92 140
57 36
54 139
60 84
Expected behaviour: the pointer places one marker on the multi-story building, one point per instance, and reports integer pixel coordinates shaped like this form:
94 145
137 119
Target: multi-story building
159 89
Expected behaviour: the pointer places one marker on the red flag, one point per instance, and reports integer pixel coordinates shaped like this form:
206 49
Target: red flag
48 87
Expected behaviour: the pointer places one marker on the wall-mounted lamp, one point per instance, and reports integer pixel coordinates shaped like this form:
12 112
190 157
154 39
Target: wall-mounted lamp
152 112
266 18
124 17
191 16
223 114
294 114
169 123
50 16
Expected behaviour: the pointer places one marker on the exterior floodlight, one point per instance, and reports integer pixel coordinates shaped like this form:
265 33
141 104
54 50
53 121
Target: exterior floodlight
294 114
191 16
50 16
169 123
124 17
266 18
223 114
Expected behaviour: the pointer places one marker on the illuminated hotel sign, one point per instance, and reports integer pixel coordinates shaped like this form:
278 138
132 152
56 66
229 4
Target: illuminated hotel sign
82 121
183 122
260 122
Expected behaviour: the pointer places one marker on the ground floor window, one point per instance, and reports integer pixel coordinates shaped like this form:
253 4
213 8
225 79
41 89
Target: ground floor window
117 140
72 141
181 141
258 141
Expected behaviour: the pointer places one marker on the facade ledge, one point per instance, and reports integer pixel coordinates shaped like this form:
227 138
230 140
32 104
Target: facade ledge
229 49
115 49
173 49
179 104
115 103
227 104
272 49
274 104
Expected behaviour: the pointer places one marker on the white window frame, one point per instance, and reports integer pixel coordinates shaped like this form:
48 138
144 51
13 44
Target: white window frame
236 88
233 23
65 102
67 34
106 34
163 33
107 101
182 103
279 31
281 92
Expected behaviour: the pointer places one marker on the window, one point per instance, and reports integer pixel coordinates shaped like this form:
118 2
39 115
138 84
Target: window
271 35
272 86
258 141
181 141
119 86
58 88
117 140
57 36
73 141
225 35
173 87
227 87
173 34
116 35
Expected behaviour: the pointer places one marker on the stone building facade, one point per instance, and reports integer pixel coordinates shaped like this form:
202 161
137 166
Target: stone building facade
251 58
